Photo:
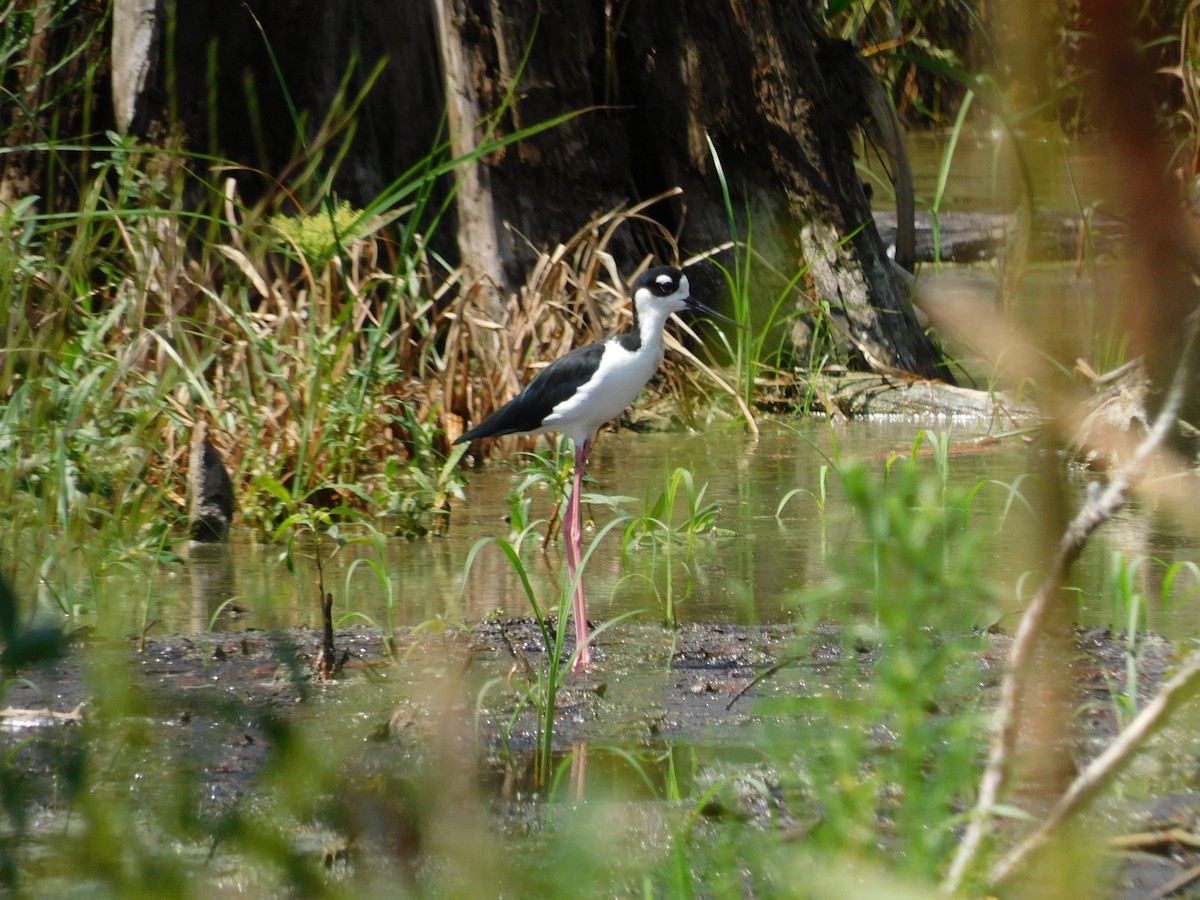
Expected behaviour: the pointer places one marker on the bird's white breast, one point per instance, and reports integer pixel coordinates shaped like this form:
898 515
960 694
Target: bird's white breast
614 385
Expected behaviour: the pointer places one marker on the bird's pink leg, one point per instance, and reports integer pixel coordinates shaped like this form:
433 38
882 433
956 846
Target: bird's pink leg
568 536
573 538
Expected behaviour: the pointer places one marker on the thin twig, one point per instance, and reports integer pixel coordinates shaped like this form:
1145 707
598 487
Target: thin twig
75 715
761 677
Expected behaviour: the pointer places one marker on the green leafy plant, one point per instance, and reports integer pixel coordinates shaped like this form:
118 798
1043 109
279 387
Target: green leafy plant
552 668
820 496
316 237
832 464
1130 608
676 515
939 445
419 500
905 600
673 519
316 523
552 469
377 566
760 340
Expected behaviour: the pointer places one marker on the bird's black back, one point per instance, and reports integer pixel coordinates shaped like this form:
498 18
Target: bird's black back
550 387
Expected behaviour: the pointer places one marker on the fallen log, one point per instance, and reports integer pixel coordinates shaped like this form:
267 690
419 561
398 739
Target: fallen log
966 237
843 394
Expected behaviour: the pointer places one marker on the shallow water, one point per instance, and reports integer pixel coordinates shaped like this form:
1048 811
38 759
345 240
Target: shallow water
754 571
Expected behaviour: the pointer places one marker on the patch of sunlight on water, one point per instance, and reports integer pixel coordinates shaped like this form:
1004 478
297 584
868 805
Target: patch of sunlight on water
752 575
984 174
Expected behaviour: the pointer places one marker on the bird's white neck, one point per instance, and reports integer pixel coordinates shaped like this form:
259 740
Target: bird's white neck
651 320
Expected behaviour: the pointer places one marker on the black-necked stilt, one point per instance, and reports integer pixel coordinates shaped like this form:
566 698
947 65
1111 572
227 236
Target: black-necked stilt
579 392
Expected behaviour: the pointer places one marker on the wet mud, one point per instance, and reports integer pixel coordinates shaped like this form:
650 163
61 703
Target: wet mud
215 703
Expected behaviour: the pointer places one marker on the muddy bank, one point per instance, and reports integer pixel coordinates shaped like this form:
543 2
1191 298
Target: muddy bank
216 705
699 683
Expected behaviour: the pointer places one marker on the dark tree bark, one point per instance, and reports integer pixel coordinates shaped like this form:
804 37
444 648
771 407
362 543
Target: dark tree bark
203 71
779 99
47 94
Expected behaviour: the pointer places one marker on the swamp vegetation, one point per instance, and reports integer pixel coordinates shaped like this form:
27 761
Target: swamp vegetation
836 657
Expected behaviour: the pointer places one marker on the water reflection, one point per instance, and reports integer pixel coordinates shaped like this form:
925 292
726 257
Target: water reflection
749 576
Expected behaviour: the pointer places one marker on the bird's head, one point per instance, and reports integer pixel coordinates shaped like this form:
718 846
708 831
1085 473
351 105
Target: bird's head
663 290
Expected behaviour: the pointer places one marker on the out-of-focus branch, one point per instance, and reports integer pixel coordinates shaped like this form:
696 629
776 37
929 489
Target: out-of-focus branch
1098 510
1104 766
1160 297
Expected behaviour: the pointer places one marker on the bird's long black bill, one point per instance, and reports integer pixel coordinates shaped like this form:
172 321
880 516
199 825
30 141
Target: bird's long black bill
695 305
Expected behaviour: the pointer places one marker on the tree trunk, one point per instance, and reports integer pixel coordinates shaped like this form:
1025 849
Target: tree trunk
228 100
777 97
478 232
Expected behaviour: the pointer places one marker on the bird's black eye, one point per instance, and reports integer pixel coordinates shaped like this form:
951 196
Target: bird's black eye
664 285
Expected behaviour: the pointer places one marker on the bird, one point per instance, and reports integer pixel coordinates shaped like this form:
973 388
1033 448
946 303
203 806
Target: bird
585 388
